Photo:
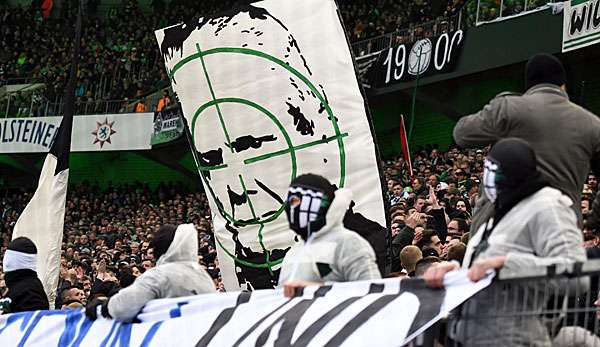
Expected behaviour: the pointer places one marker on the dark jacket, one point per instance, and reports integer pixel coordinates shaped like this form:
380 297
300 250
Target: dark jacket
25 290
403 239
593 218
439 223
371 231
406 235
564 136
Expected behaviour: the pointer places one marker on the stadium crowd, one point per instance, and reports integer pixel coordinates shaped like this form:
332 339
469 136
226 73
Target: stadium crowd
119 58
120 64
449 182
106 242
107 234
118 61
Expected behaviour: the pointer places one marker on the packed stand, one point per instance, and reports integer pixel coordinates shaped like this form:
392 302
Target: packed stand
108 232
366 19
106 242
431 211
119 62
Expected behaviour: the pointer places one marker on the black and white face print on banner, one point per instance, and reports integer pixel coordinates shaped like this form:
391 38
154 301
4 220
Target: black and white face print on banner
269 92
422 58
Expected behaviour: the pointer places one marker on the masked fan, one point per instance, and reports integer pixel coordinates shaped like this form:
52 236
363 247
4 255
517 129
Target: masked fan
532 225
328 252
25 291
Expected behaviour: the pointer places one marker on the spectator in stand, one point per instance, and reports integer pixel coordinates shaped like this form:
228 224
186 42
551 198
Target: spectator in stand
424 264
406 236
73 295
177 274
456 229
25 291
430 240
409 256
593 183
543 116
140 106
164 101
456 252
533 225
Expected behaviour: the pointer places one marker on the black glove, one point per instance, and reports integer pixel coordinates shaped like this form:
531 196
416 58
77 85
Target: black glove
91 310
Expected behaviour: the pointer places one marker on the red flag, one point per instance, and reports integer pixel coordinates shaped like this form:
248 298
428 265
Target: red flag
47 8
405 150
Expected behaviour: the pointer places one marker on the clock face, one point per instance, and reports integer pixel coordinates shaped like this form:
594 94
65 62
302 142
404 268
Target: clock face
420 57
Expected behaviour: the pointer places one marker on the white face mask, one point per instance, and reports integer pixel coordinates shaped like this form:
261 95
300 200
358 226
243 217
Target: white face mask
489 180
15 260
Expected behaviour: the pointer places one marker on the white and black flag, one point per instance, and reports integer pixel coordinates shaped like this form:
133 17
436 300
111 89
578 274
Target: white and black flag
270 92
42 220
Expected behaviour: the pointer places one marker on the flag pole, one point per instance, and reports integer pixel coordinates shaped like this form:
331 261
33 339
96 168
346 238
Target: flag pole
63 137
42 220
405 146
414 96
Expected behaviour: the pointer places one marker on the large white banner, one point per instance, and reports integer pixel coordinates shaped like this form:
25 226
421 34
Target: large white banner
581 26
113 132
269 92
376 313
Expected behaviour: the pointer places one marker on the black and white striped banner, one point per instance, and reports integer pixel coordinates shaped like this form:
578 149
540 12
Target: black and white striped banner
376 313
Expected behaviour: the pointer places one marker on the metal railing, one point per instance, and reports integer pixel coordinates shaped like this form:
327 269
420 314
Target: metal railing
36 106
416 32
491 10
21 80
545 306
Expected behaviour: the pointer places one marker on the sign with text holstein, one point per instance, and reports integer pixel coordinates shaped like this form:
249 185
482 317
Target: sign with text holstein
90 133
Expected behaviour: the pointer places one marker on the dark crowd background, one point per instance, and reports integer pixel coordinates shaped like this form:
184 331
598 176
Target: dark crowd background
120 59
108 231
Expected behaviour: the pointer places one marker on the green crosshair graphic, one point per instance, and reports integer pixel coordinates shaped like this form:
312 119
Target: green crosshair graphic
290 150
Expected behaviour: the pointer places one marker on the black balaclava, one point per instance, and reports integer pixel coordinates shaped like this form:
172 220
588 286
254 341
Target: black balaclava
308 199
163 239
23 245
510 175
544 68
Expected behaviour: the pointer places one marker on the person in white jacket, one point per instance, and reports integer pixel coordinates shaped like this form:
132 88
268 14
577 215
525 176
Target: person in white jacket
328 252
177 273
533 225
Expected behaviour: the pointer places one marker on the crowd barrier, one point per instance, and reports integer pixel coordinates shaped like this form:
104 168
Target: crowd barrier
538 306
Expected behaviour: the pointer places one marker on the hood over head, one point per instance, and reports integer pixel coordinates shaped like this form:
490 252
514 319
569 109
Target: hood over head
511 174
184 246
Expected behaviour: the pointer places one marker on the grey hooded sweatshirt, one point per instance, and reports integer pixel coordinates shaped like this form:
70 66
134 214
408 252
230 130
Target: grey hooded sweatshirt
177 273
564 136
332 254
541 230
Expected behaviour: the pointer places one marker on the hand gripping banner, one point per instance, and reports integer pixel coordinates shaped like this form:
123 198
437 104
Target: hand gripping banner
269 92
387 312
